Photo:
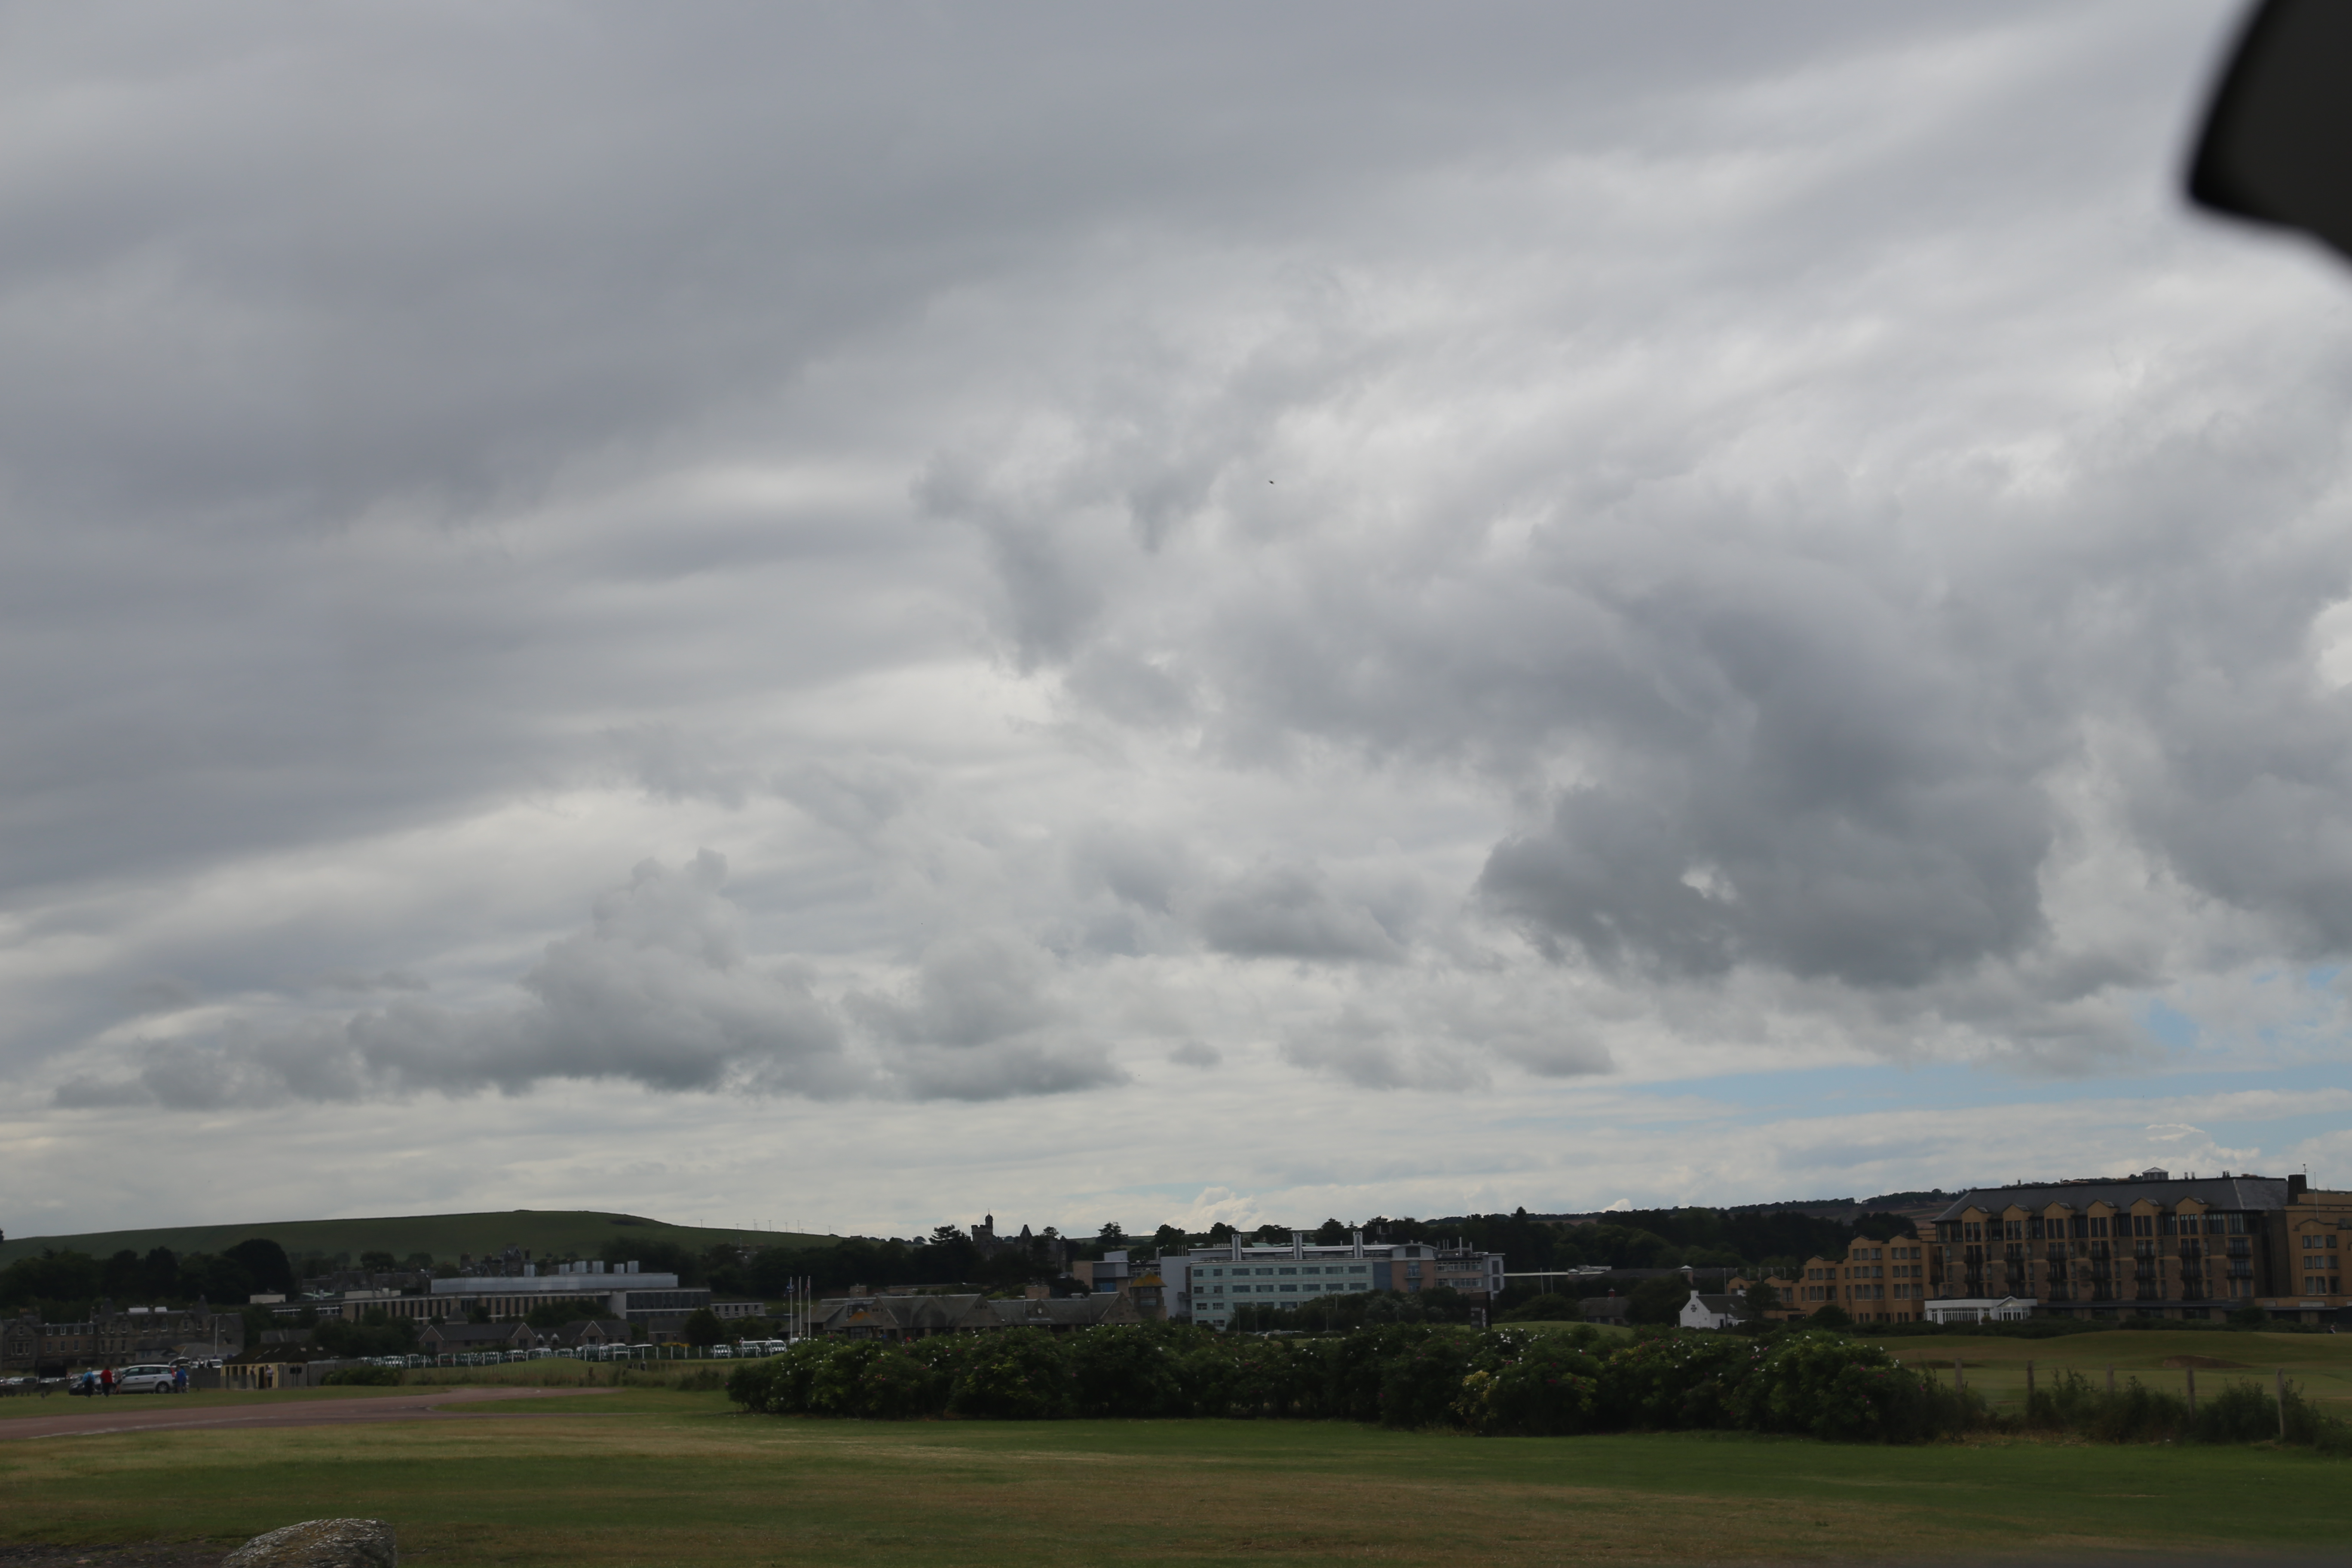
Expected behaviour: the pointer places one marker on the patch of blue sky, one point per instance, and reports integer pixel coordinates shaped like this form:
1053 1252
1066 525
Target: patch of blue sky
2168 1026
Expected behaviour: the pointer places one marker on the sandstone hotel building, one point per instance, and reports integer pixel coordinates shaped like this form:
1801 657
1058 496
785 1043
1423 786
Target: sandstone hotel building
2147 1245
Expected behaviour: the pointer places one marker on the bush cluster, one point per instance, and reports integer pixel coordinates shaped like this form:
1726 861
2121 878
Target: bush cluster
1505 1383
2240 1412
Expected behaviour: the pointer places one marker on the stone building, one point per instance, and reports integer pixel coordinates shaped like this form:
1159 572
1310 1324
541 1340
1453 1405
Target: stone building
1050 1249
2152 1245
116 1336
1877 1281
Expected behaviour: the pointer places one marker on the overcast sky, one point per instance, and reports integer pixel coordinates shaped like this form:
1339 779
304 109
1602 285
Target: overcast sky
842 616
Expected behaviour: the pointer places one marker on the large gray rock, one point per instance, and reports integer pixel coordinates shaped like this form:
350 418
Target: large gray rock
320 1543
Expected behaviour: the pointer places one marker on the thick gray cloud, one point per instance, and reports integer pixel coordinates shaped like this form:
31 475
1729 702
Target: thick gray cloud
979 1021
1292 911
1462 553
656 991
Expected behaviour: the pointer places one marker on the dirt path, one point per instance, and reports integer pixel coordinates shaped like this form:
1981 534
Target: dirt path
109 1417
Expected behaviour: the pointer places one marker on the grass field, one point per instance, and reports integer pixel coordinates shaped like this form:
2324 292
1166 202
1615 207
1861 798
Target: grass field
653 1478
2321 1363
556 1233
21 1407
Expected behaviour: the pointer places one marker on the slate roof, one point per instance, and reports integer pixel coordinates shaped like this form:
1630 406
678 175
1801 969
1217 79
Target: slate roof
2213 1191
1068 1312
573 1332
515 1334
915 1314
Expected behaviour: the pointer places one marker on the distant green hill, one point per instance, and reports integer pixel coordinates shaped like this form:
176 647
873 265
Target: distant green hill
547 1233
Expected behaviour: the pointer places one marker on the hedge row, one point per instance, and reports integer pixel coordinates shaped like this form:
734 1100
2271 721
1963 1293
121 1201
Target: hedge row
2239 1411
1509 1382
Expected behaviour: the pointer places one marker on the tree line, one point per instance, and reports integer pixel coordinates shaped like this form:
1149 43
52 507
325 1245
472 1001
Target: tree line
66 1286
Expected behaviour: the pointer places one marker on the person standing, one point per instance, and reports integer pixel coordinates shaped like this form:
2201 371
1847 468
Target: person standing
179 1380
106 1382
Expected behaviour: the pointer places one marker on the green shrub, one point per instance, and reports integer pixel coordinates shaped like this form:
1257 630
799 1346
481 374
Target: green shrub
754 1386
1676 1380
366 1376
1017 1374
1242 1377
1520 1381
874 1380
1827 1386
1125 1372
1550 1388
2241 1412
1421 1386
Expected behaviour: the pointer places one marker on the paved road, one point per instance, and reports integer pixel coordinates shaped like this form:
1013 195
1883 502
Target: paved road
110 1416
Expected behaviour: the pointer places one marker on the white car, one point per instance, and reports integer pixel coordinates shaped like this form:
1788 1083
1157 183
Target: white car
145 1380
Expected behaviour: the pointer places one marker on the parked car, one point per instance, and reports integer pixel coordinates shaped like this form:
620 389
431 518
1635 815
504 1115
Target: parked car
149 1379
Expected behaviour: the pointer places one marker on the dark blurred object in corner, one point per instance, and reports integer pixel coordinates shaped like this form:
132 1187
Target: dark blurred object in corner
2277 143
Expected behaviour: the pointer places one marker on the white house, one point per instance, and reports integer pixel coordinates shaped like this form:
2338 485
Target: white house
1980 1308
1713 1312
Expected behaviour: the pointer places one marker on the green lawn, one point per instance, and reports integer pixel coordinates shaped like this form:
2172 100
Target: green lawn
547 1233
669 1478
17 1408
2321 1363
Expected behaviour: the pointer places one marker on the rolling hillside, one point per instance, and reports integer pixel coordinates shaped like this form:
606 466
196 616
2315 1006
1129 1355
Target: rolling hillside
548 1233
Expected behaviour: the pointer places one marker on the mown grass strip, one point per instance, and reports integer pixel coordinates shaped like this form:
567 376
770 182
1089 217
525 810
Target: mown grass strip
681 1481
